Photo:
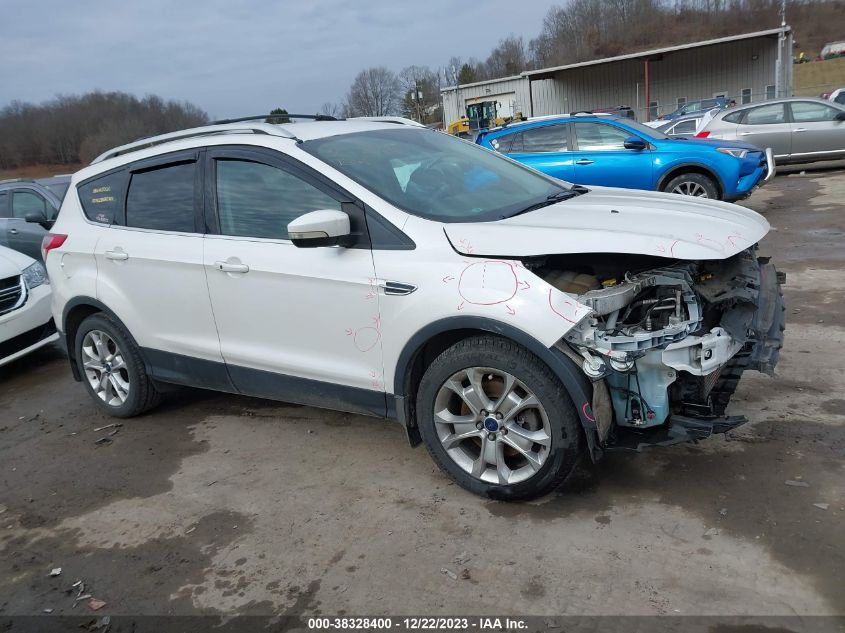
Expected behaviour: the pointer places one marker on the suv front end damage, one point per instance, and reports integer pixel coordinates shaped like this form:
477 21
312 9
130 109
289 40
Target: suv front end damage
667 341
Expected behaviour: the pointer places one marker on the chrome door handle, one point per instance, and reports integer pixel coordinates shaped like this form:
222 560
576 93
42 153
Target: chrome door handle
584 161
13 231
228 267
800 129
117 255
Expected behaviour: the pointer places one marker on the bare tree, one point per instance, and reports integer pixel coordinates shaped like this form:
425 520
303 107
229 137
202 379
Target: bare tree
508 58
374 92
420 89
70 129
336 110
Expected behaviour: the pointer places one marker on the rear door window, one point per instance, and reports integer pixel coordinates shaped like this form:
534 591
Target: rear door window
503 143
549 138
766 115
162 198
4 204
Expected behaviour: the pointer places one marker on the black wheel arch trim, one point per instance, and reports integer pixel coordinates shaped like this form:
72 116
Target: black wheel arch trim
101 307
677 170
570 375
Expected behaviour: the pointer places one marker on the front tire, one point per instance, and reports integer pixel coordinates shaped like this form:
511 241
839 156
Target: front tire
497 420
693 184
112 369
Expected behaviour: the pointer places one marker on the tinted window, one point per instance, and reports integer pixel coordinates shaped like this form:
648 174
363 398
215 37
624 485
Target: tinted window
447 179
764 115
599 137
4 204
734 117
162 198
25 202
550 138
840 98
503 143
809 111
59 189
102 196
255 200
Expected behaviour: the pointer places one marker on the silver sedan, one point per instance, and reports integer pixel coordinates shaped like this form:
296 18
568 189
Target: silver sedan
798 129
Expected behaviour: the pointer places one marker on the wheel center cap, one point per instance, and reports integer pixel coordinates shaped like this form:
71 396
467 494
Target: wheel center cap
491 424
107 367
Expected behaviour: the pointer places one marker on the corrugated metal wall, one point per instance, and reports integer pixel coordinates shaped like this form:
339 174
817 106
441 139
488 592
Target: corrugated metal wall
693 74
511 93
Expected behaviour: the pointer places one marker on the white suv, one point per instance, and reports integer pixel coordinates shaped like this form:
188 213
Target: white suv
507 319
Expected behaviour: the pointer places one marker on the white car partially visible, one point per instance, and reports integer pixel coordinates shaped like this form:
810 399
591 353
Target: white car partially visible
26 322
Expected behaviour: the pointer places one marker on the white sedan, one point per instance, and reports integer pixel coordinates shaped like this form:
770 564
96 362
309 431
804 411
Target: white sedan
26 322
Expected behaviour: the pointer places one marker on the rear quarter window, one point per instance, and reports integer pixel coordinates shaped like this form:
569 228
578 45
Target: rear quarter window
102 197
733 117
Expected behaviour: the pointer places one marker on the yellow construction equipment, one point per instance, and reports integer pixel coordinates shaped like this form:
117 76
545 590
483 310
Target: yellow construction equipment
479 116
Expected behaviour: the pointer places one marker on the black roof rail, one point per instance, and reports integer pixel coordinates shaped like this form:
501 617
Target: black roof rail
264 117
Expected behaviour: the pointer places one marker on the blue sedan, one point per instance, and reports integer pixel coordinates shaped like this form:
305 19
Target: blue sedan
592 149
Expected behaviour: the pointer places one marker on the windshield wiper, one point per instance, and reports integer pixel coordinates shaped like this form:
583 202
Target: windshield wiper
552 198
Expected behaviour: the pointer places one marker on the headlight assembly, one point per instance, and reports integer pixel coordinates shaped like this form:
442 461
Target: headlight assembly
733 151
35 275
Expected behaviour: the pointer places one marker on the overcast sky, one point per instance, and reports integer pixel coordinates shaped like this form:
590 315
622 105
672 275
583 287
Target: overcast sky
234 58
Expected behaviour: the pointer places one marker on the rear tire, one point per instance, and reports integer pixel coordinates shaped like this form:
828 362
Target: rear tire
693 184
112 369
512 448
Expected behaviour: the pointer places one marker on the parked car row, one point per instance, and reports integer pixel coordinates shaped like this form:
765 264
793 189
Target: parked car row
798 129
21 198
603 150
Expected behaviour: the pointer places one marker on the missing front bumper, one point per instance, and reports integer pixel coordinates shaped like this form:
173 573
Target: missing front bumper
679 429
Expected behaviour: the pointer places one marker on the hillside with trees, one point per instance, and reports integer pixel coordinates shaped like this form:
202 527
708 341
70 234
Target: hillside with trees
74 129
582 30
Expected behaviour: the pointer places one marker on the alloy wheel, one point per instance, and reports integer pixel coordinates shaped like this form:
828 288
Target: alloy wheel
492 426
690 188
105 368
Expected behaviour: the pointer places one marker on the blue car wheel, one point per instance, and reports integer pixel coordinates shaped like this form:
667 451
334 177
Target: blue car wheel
692 184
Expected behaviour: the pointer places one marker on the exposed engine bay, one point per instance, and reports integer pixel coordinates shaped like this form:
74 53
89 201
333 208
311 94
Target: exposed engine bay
668 340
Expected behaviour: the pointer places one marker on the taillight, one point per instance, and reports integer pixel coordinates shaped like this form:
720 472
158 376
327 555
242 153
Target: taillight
51 241
702 134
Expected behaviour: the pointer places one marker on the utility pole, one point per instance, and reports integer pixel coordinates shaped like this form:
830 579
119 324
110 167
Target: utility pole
779 65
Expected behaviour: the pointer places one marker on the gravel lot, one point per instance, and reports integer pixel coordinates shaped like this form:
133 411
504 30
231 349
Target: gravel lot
218 503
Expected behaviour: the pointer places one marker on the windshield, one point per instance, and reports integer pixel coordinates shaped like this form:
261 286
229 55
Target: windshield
435 176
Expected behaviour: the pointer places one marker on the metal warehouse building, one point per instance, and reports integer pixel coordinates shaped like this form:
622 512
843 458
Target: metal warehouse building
749 67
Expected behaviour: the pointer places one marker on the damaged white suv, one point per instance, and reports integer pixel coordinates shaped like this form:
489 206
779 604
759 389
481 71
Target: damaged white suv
507 319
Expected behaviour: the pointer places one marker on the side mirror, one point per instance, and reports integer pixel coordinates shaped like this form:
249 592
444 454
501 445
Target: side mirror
320 228
635 142
840 116
39 218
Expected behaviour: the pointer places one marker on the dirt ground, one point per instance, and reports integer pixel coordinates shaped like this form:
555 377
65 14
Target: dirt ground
220 504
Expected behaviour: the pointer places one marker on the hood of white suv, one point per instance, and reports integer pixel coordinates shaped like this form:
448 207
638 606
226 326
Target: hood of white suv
12 262
609 220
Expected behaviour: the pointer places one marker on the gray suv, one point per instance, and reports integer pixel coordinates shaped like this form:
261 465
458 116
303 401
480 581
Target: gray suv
20 199
798 129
